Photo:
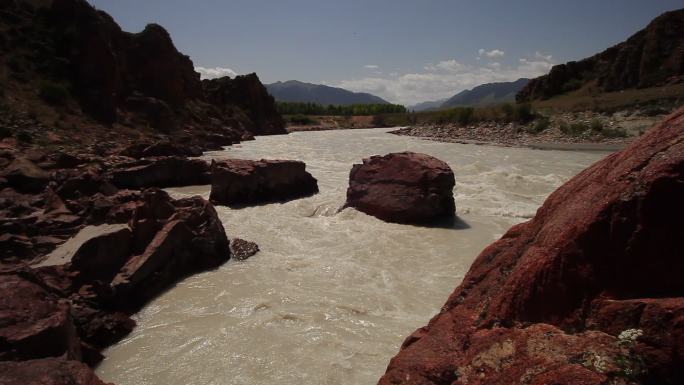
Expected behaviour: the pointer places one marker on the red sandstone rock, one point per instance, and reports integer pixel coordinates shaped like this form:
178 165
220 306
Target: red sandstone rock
48 371
403 187
244 182
602 255
162 172
34 323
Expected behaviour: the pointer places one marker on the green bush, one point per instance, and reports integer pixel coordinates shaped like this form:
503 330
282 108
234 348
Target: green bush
302 120
613 133
54 93
541 124
574 129
596 125
523 113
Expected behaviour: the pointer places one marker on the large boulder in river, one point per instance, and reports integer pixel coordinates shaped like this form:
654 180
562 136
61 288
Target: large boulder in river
589 291
403 187
236 182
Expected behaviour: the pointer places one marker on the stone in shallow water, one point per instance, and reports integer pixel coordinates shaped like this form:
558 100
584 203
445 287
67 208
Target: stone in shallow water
241 249
403 187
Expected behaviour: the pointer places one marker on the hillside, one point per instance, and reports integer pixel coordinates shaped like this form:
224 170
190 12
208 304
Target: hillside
652 57
427 106
70 77
296 91
486 94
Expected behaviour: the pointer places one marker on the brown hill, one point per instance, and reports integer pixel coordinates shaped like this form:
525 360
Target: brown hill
652 57
69 69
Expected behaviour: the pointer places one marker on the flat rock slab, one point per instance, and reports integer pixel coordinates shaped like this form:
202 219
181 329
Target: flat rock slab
91 239
238 182
403 187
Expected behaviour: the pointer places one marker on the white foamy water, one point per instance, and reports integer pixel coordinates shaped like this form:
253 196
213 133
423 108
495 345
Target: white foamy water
331 296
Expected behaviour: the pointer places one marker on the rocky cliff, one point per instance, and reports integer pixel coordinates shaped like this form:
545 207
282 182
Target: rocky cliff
587 292
652 57
68 66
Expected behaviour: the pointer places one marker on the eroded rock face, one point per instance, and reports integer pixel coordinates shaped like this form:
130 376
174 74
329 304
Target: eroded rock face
238 182
403 187
587 292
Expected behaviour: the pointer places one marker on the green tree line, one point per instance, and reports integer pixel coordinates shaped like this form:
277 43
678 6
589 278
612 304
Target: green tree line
297 108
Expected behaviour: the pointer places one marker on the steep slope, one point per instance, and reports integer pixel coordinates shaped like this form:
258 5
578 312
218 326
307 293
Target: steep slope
295 91
652 57
487 94
64 63
587 292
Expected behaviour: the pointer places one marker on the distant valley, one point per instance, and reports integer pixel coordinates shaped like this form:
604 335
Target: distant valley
296 91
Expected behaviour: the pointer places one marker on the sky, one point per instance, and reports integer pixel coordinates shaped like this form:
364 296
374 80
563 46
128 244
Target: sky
406 51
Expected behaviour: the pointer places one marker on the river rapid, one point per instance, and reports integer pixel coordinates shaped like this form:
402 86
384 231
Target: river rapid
332 295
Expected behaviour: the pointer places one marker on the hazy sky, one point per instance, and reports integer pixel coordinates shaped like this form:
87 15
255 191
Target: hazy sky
404 51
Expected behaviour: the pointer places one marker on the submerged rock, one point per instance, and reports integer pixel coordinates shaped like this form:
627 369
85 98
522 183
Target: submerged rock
403 187
587 292
241 249
245 182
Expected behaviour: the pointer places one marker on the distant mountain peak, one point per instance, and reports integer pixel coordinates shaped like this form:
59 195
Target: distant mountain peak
297 91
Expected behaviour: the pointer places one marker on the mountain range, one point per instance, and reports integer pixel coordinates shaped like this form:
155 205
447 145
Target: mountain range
296 91
483 95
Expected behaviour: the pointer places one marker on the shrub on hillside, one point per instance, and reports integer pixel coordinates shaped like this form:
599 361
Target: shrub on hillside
541 124
53 93
302 120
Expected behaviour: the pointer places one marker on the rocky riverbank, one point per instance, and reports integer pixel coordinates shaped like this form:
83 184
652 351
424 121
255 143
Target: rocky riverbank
567 131
587 292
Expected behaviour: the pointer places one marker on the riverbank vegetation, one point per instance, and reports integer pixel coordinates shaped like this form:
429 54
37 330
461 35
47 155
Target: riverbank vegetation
297 108
502 113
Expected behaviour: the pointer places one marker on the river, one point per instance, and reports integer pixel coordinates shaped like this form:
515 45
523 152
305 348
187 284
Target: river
332 295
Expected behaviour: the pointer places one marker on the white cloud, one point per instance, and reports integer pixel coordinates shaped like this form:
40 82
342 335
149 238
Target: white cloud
446 78
216 72
445 65
495 53
371 66
541 56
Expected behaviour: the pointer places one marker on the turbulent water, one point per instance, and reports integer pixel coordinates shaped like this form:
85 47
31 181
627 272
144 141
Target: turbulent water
332 295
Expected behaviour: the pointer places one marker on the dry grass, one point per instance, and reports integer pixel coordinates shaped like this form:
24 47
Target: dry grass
587 98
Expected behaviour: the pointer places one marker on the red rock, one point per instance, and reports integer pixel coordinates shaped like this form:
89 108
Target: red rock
34 323
24 176
162 172
95 253
603 253
48 371
245 182
403 187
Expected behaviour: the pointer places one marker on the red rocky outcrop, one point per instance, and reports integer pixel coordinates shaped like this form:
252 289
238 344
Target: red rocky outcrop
161 172
244 182
403 187
587 292
649 58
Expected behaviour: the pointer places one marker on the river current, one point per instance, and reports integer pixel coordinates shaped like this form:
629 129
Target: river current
332 295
